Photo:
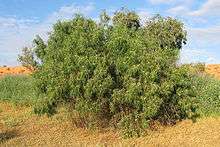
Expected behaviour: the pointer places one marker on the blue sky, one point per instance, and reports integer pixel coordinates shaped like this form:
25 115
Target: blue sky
21 20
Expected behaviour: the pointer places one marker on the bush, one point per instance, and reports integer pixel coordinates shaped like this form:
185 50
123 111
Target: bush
208 95
18 89
196 68
122 73
27 58
31 57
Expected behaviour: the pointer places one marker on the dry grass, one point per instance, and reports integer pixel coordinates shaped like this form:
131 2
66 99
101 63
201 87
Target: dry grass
58 131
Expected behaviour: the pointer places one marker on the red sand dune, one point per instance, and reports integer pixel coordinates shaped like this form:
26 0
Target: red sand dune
14 70
213 69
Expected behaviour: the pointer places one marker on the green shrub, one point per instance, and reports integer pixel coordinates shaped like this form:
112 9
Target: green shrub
18 89
208 95
196 68
122 73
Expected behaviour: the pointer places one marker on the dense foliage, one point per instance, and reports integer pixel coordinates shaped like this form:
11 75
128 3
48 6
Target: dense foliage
208 95
17 89
116 72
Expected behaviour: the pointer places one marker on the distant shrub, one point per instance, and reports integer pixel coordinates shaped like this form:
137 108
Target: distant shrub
18 89
32 57
27 58
200 67
121 73
196 68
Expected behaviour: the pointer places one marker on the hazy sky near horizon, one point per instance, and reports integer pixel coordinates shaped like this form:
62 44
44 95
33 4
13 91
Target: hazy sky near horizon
22 20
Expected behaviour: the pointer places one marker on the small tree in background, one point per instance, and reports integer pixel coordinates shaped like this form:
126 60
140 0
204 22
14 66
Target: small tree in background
27 58
32 58
121 74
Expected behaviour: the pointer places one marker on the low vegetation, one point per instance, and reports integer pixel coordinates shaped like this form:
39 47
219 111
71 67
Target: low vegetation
17 89
208 95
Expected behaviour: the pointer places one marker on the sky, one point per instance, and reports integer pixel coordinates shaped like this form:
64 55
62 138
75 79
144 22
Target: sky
22 20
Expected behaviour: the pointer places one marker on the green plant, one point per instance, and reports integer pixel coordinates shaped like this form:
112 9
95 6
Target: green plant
120 72
11 122
208 95
196 68
18 89
27 58
32 57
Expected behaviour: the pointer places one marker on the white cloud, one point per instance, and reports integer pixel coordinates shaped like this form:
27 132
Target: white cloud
181 7
211 7
172 2
184 12
203 45
7 22
195 56
144 14
178 10
208 34
155 2
67 12
16 33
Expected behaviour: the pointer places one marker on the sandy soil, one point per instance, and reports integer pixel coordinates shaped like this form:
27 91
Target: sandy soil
213 69
19 127
14 70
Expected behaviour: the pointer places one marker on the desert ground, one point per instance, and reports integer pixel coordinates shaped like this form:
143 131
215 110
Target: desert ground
213 69
19 127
